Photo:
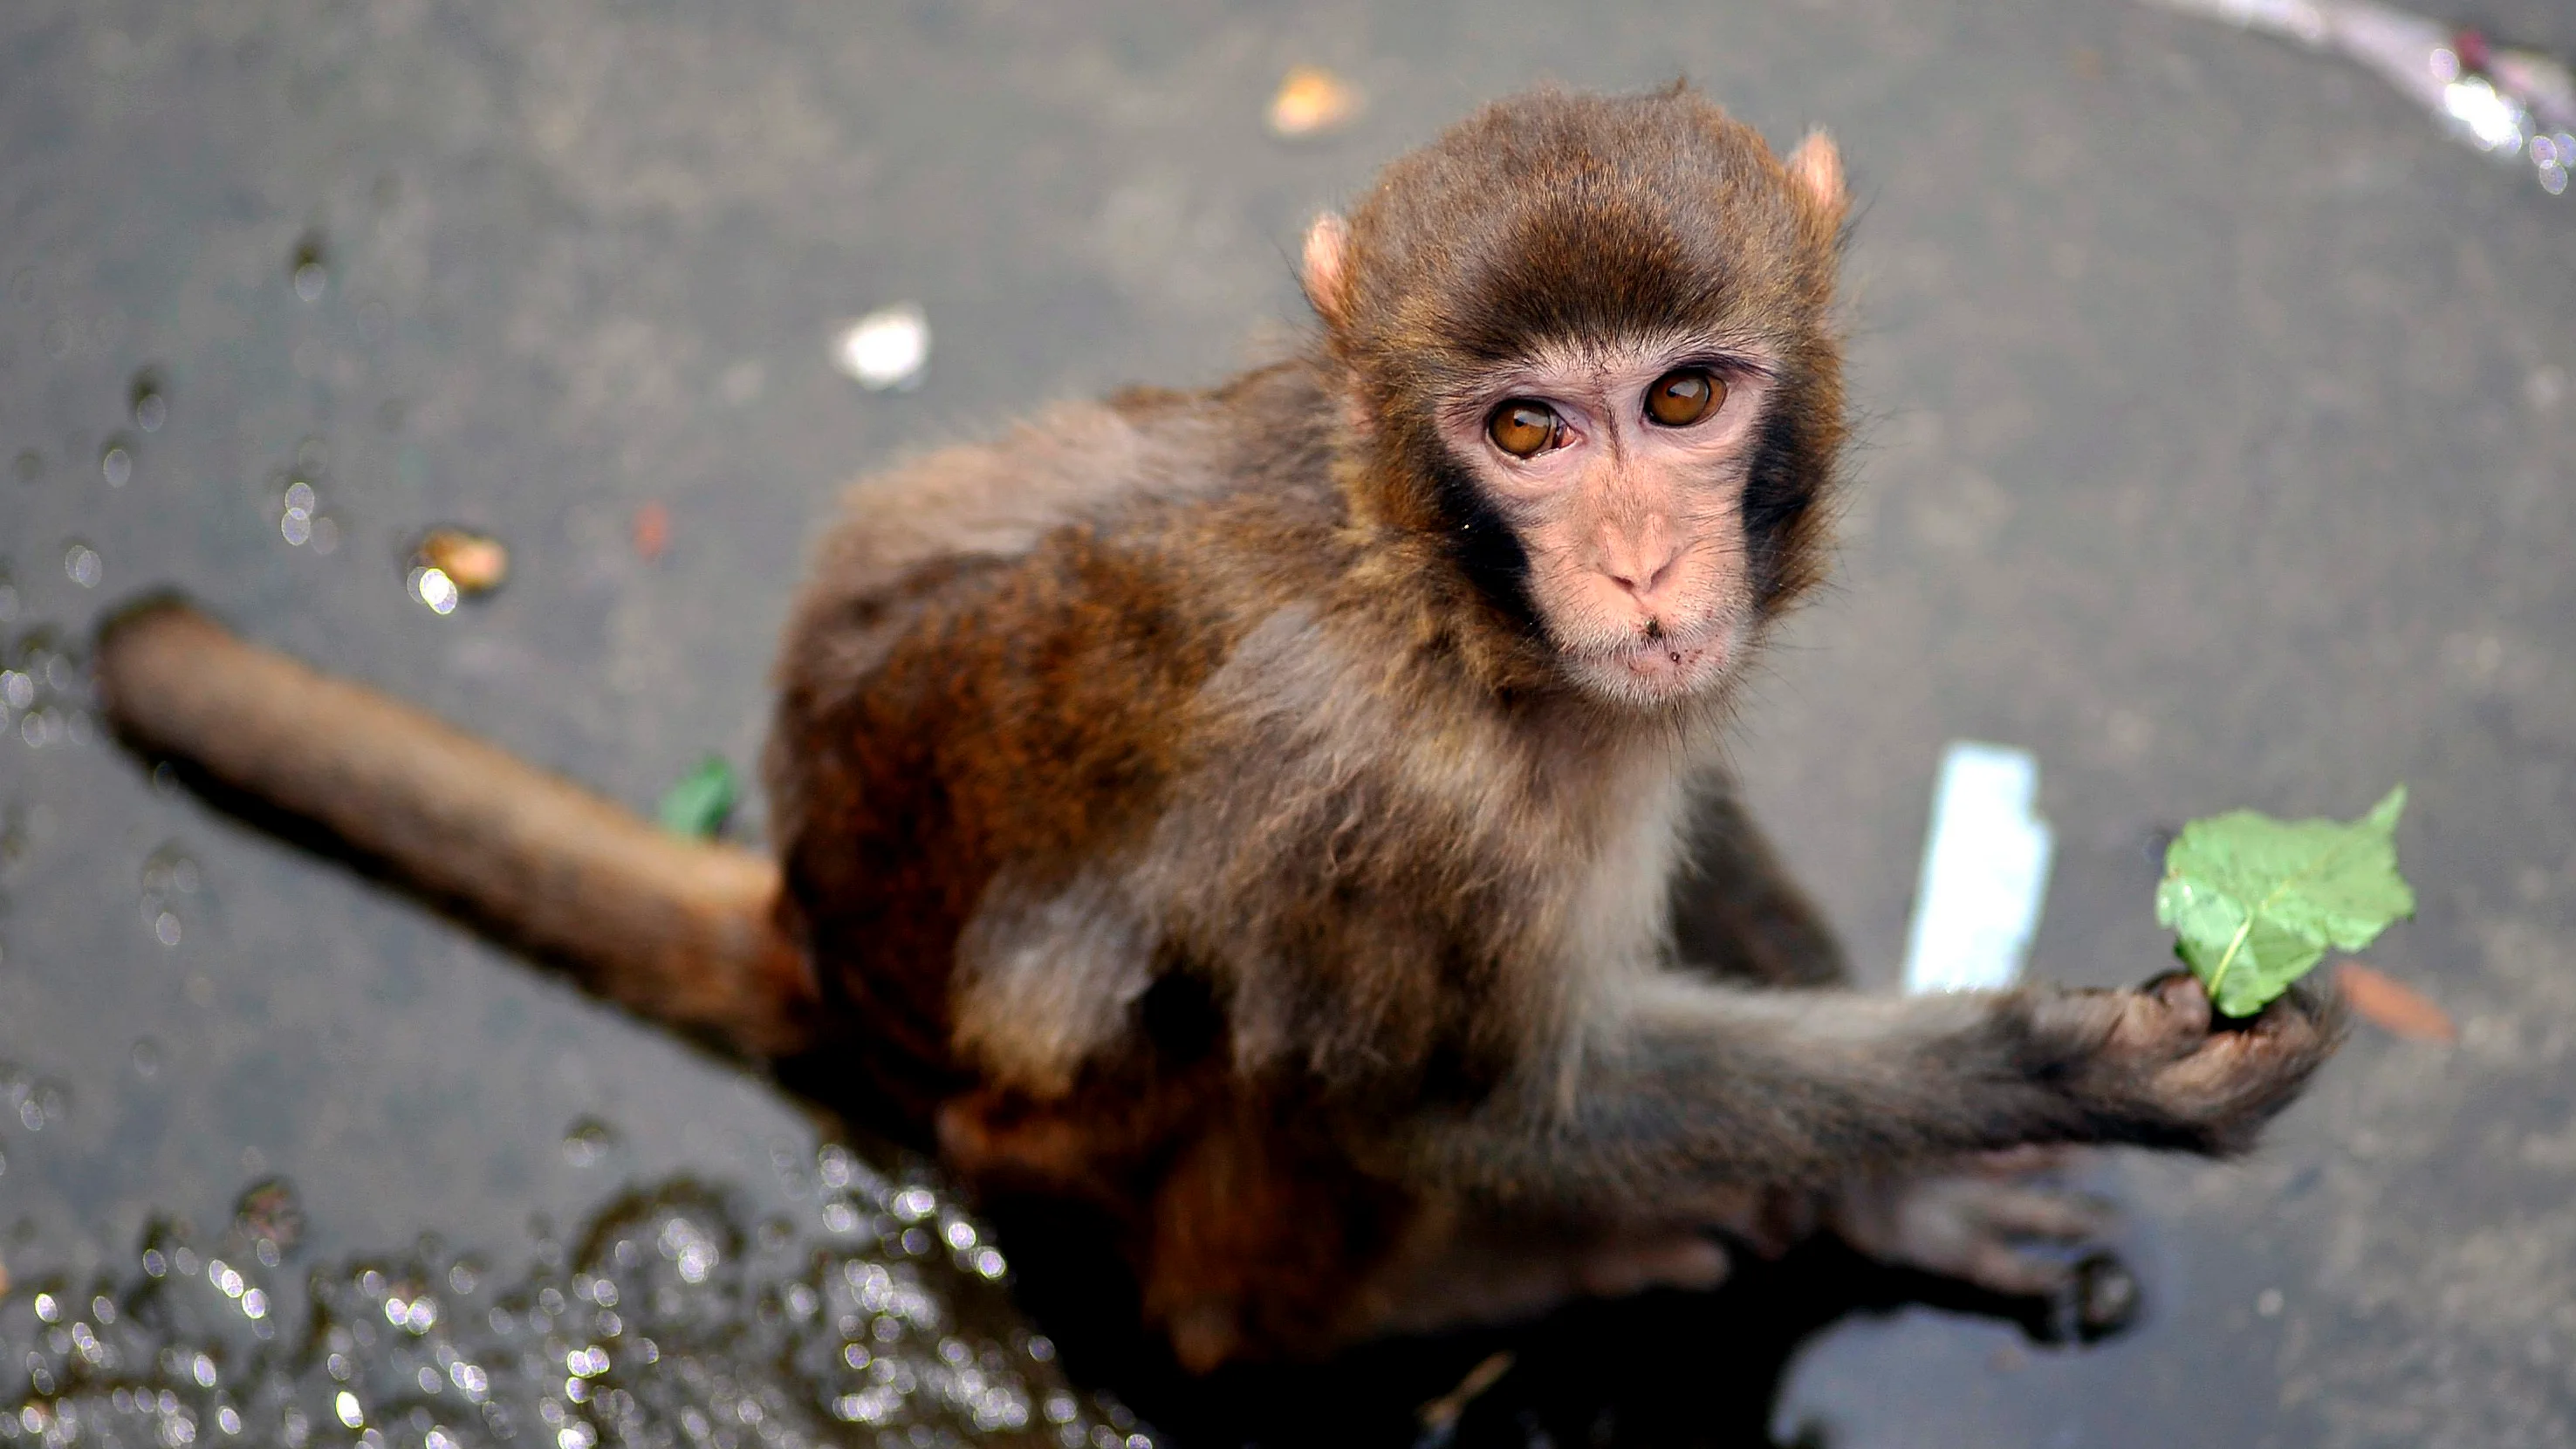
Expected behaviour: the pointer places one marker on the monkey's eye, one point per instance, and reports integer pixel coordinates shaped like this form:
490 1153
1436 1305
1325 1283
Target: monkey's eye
1684 396
1523 428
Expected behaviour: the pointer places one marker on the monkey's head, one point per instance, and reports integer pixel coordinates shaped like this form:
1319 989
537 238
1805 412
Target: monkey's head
1589 358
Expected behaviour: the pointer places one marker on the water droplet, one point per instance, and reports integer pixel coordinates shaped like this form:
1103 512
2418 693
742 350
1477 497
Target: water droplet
170 883
146 1057
170 870
312 456
309 267
886 349
296 524
82 565
434 588
29 465
35 1101
116 461
149 401
22 287
588 1142
60 670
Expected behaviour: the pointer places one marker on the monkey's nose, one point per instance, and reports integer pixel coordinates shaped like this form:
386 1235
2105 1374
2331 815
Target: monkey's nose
1640 564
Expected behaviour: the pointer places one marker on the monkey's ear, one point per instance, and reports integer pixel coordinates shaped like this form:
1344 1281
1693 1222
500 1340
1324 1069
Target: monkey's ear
1325 270
1816 168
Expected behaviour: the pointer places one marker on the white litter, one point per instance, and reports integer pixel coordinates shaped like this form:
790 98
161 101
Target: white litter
885 349
2506 102
1985 872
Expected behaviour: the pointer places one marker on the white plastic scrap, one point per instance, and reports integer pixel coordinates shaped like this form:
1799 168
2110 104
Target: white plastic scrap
2507 103
1985 871
885 349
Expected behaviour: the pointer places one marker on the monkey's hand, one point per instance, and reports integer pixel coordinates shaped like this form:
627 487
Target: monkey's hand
2154 1066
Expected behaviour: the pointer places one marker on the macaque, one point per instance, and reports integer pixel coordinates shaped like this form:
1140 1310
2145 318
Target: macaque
1289 817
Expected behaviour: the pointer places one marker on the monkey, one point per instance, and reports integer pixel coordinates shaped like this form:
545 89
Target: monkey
1290 818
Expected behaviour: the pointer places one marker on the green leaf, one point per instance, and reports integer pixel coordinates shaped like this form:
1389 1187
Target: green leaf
698 805
2255 902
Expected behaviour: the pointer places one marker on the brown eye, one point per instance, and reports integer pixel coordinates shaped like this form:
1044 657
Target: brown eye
1679 399
1521 427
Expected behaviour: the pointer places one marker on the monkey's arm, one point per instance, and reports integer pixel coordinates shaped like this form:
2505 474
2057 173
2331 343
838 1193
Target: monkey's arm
672 929
1703 1085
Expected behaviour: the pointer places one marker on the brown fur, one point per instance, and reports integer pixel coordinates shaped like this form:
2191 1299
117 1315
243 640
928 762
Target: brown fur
1185 805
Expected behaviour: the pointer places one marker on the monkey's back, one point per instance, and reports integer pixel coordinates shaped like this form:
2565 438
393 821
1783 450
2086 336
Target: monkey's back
984 670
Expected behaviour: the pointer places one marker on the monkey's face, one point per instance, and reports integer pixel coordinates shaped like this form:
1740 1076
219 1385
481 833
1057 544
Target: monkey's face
1621 469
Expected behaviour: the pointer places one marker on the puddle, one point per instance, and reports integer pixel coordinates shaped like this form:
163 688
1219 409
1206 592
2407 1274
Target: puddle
670 1318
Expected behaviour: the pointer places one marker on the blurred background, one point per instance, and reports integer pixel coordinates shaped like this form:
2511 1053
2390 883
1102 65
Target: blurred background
2220 450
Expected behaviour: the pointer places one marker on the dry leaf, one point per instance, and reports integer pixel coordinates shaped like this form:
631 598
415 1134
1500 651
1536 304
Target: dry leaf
474 563
1440 1416
652 531
1311 101
2394 1006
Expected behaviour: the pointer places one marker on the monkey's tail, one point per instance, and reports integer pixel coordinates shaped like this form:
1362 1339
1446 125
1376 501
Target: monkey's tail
677 930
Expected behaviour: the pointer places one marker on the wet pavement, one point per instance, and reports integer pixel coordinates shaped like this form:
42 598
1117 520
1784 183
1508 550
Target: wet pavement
2221 449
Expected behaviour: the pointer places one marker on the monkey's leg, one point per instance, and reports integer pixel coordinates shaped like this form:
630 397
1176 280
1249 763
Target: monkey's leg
1736 912
674 929
1977 1221
1464 1265
1708 1086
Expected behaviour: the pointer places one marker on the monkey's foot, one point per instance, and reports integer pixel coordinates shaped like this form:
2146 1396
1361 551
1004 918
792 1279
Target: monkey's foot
1992 1223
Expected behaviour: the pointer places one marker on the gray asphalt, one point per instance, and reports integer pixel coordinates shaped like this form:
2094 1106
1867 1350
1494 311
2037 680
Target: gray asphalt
2221 450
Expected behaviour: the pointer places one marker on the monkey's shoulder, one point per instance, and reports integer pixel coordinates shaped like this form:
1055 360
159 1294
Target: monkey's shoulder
1118 463
1104 518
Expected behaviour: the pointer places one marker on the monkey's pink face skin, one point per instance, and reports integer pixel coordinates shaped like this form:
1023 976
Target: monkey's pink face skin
1633 523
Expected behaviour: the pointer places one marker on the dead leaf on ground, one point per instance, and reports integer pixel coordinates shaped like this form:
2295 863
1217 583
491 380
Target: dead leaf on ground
1311 101
2394 1006
476 564
652 531
1440 1416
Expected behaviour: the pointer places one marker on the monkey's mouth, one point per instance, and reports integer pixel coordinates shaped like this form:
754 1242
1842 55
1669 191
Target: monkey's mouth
1661 664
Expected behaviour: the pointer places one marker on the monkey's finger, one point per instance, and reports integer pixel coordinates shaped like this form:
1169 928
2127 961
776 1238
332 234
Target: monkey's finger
2181 994
1999 1268
2057 1217
1676 1260
2028 1160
